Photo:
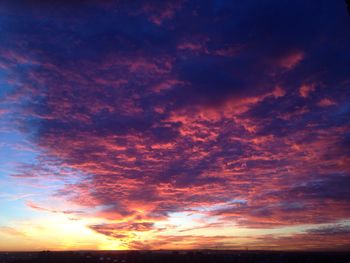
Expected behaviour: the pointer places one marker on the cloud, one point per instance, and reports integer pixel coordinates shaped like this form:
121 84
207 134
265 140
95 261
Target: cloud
291 60
331 230
306 89
143 111
326 102
115 230
11 231
36 207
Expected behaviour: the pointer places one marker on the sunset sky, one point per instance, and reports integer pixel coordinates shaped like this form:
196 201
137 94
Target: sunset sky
174 125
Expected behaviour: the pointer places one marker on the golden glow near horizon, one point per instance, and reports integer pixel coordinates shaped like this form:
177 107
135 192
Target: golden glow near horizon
58 231
52 232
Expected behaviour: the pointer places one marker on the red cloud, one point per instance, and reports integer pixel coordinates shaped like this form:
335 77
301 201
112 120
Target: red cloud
326 102
291 60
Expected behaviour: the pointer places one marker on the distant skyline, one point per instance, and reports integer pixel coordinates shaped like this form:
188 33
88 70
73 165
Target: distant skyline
174 125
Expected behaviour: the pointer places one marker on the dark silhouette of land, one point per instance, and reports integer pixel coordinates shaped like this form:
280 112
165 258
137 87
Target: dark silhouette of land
205 256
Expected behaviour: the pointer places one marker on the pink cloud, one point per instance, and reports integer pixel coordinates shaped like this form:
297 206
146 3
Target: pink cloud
279 92
40 208
326 102
158 14
291 60
195 47
306 89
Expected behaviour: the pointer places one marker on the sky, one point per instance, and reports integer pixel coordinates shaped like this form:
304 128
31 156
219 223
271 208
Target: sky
182 124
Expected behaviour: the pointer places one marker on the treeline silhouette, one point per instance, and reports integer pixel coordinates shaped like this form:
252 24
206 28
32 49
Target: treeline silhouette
175 257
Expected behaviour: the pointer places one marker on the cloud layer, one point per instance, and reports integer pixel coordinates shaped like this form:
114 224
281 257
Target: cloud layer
235 111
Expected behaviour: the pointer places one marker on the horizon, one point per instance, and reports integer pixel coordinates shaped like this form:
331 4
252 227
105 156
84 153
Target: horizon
174 125
178 250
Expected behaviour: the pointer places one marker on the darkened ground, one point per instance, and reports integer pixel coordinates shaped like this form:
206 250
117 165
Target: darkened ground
176 256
